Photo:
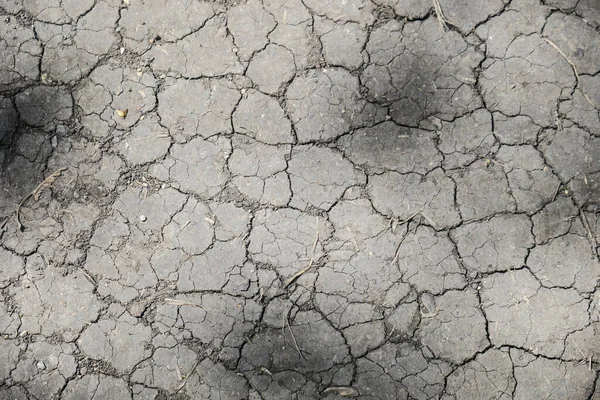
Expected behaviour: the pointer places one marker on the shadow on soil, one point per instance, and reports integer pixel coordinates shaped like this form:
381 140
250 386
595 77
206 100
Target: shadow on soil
24 150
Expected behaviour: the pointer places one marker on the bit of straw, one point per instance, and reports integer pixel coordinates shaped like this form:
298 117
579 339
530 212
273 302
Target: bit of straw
305 269
185 378
556 191
591 237
444 22
35 194
585 95
176 302
344 391
286 322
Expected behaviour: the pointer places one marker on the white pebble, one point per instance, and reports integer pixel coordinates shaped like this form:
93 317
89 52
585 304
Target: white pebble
143 218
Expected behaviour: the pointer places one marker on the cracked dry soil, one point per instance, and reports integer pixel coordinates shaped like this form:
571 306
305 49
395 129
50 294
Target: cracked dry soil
300 199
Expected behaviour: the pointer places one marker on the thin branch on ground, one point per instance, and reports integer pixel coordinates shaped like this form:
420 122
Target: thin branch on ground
404 221
35 194
185 378
574 67
591 237
397 252
444 22
305 269
433 225
176 302
343 391
556 191
286 322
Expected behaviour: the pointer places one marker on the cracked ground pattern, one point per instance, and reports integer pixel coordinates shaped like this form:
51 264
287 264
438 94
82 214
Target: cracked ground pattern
299 199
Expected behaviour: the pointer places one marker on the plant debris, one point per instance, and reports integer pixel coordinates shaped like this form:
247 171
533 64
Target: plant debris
444 22
344 391
176 302
286 322
138 308
185 378
36 194
303 270
591 237
585 95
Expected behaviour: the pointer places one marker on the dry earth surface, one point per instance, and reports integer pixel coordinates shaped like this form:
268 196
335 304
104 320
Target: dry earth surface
299 199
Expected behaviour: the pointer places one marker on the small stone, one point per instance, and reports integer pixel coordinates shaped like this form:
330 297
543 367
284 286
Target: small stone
41 365
62 129
54 142
143 218
429 303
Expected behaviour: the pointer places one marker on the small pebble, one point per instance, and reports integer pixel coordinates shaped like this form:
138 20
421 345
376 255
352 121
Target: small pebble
54 142
41 365
143 218
62 129
428 302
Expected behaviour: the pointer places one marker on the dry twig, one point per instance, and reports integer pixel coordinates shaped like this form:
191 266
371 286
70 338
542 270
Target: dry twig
36 193
409 218
396 254
344 391
444 22
185 378
286 322
433 225
176 302
303 270
556 191
139 307
591 237
585 95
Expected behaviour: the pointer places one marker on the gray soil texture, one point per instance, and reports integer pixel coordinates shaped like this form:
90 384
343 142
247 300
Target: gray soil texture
299 199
